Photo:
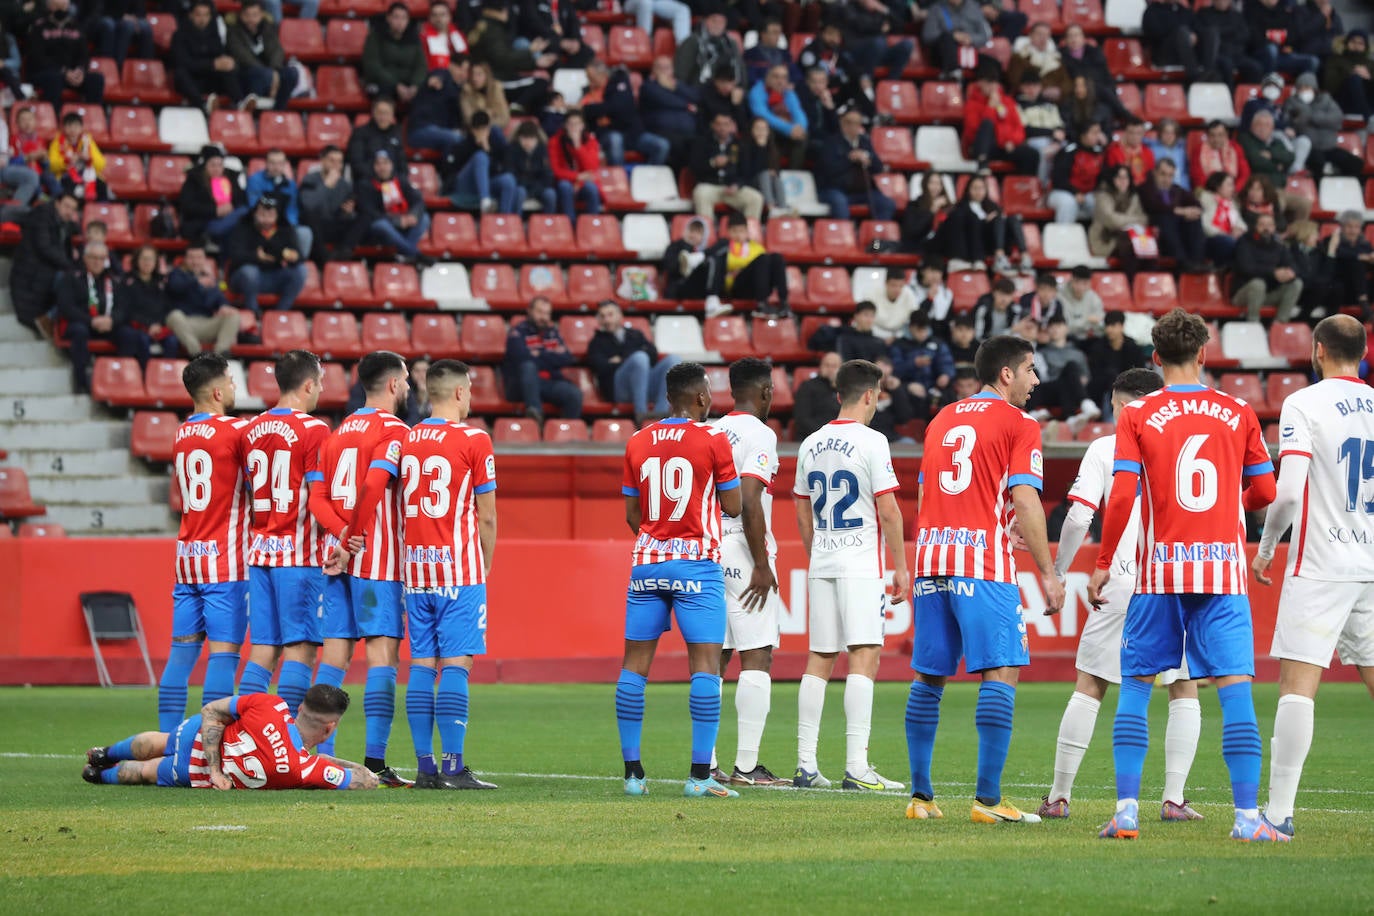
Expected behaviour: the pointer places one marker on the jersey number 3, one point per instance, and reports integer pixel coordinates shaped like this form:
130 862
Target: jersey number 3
956 479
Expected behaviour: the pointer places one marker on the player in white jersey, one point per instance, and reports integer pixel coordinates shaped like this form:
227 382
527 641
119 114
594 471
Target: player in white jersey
747 552
848 516
1326 492
1099 645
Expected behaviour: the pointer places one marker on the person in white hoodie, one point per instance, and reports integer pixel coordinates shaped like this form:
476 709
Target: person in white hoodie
896 300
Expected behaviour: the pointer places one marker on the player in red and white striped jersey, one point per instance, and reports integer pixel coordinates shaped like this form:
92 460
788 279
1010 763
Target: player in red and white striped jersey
357 501
246 742
286 551
210 598
448 531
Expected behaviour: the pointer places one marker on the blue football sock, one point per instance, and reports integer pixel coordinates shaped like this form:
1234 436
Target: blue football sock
171 689
332 675
1131 735
110 777
379 706
993 718
420 715
219 676
122 750
1240 742
256 679
703 699
293 683
629 712
922 718
451 712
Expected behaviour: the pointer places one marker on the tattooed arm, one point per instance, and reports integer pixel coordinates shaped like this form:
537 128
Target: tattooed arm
214 718
363 778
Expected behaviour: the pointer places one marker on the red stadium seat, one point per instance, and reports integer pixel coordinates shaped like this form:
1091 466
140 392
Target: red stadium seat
145 82
42 530
565 431
302 39
593 405
598 235
282 331
125 176
166 175
796 288
615 189
1129 96
789 236
488 392
435 336
727 335
721 398
543 280
134 129
336 89
1246 386
577 332
335 388
777 339
875 230
594 37
164 385
895 147
968 286
894 185
834 240
284 130
262 381
1201 294
334 335
515 431
345 283
44 118
897 99
1166 100
1094 431
107 68
1114 289
1126 60
344 39
1291 340
1279 385
496 284
629 45
385 331
782 391
324 128
1046 11
589 284
164 27
502 235
154 434
551 237
484 337
425 178
612 430
1155 292
828 288
396 286
1024 196
452 235
15 499
235 131
115 216
93 118
1087 13
942 102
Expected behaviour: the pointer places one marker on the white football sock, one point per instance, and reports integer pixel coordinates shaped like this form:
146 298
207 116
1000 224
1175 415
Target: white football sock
753 697
1287 753
858 722
1180 746
1075 734
810 705
714 763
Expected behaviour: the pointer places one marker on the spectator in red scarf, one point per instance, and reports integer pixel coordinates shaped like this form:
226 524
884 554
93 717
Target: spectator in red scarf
1132 152
774 100
1219 153
86 310
393 207
440 39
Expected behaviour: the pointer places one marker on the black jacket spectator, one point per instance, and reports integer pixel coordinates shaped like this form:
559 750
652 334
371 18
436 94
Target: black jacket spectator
140 304
193 54
822 121
390 60
605 346
705 149
45 251
371 207
537 19
196 204
703 55
617 109
245 242
531 170
835 170
337 230
1257 259
1228 27
714 102
855 344
665 111
1170 34
521 343
57 44
185 293
816 405
366 141
436 107
1108 358
255 49
1315 28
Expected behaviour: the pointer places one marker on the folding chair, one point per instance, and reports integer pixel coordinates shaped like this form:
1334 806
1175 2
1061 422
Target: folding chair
109 616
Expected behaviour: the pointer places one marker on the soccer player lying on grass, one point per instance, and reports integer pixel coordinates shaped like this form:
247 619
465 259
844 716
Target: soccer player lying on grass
244 742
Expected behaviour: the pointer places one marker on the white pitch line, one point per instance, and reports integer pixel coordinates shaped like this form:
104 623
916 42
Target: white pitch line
227 828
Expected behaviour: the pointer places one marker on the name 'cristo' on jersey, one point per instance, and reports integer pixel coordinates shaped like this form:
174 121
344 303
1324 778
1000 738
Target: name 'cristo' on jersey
208 462
282 456
445 466
675 467
1193 447
975 451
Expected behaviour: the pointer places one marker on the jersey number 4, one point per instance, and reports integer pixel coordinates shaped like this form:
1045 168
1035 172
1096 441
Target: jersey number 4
844 487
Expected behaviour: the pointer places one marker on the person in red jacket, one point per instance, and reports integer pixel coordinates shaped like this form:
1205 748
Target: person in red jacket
574 156
992 125
1219 153
1132 152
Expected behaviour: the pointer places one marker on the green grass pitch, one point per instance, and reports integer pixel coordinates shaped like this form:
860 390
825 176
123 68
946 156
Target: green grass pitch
560 837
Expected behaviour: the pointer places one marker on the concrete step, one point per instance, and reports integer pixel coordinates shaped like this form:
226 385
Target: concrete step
39 408
11 329
35 381
20 354
100 462
105 520
96 491
79 436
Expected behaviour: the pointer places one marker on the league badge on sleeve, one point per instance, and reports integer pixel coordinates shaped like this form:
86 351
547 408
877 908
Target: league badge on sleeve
333 775
491 467
1037 463
393 451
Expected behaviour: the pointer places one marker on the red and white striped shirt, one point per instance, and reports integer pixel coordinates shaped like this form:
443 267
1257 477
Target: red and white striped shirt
262 749
976 450
283 453
207 461
367 439
445 466
675 467
1192 447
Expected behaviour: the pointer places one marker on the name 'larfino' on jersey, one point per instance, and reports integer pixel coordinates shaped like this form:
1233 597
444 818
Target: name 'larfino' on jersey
208 468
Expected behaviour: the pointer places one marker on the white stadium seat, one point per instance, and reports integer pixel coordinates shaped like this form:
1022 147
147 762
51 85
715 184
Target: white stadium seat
866 281
1337 193
447 284
800 189
1125 15
570 83
680 335
1248 342
941 148
655 186
243 400
1067 243
1211 101
646 234
183 129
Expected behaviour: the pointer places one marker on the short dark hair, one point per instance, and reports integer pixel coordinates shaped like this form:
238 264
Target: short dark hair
393 7
330 148
965 372
1004 286
997 353
682 378
735 218
1178 337
934 263
247 3
480 119
529 129
1213 124
749 372
72 117
296 367
443 374
206 3
1057 318
920 318
1344 340
1046 279
854 378
540 297
964 320
1081 272
865 306
895 273
203 369
1137 383
1115 316
326 700
1215 181
375 368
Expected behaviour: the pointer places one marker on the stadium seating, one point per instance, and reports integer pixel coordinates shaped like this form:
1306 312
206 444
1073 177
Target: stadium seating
15 501
153 435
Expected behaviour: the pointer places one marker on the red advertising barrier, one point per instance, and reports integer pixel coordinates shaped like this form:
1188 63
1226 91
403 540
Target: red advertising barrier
556 612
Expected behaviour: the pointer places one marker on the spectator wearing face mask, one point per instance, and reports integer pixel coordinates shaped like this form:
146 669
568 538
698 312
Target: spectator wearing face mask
1316 117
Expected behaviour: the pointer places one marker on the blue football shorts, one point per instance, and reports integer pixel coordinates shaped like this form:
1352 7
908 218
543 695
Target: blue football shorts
693 591
356 608
284 604
973 619
219 610
174 770
447 621
1214 630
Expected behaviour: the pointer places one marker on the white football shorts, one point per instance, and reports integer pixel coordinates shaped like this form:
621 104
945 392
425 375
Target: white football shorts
846 612
746 629
1316 619
1099 645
